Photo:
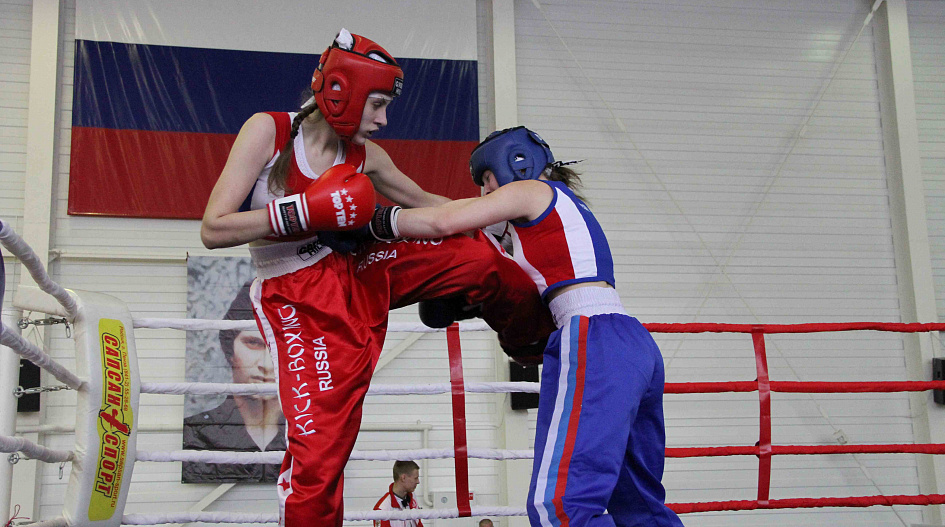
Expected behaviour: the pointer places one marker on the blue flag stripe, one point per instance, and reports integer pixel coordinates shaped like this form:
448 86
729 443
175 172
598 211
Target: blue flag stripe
181 89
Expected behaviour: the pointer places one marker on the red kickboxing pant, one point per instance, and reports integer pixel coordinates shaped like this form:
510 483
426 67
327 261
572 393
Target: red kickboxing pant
326 324
401 273
324 356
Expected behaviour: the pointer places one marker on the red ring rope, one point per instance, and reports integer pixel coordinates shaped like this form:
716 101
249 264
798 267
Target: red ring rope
764 432
693 327
789 450
805 387
458 388
806 503
764 450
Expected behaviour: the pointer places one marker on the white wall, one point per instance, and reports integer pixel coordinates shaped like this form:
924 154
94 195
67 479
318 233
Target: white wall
15 28
714 209
15 22
717 211
926 20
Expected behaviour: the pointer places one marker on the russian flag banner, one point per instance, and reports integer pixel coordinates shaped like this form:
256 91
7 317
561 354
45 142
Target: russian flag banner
161 91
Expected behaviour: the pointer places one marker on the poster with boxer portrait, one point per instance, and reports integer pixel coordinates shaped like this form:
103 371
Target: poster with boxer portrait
218 288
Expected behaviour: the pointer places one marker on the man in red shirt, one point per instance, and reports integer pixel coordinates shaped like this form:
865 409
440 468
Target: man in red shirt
400 495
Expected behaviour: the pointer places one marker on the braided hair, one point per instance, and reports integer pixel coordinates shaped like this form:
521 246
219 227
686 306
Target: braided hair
280 170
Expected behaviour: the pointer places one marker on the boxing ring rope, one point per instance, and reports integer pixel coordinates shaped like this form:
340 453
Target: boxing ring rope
671 388
28 351
198 388
275 456
24 253
193 324
34 451
243 517
764 449
19 248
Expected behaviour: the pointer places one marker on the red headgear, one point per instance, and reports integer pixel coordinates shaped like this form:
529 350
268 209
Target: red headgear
345 78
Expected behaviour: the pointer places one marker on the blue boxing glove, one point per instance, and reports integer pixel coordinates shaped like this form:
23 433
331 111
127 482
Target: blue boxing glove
350 241
382 227
528 355
346 242
442 312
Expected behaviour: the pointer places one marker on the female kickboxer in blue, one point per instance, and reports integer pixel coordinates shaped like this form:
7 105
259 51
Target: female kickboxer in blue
600 441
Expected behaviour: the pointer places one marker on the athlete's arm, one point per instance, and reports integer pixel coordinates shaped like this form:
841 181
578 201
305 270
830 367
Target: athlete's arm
222 225
394 184
521 200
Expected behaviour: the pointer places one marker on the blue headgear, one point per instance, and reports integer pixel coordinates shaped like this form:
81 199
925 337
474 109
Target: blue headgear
512 154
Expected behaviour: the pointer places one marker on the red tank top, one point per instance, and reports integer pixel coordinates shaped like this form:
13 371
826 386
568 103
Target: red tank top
298 178
297 181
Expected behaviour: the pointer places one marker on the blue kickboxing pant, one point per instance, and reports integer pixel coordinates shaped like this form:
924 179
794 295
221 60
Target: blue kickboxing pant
600 441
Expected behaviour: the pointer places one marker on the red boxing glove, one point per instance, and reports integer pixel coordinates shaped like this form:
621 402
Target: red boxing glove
528 355
340 199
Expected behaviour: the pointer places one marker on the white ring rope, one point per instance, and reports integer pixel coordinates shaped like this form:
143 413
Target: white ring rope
472 387
195 324
242 517
34 451
19 248
429 514
28 351
198 517
11 444
55 522
15 244
274 457
208 388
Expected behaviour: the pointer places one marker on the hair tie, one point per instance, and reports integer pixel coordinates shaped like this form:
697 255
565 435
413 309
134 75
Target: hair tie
559 164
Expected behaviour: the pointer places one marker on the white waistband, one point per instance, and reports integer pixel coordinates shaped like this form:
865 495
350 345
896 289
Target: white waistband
283 258
585 301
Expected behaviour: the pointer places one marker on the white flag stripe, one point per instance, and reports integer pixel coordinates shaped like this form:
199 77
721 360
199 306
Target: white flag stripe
431 29
580 244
